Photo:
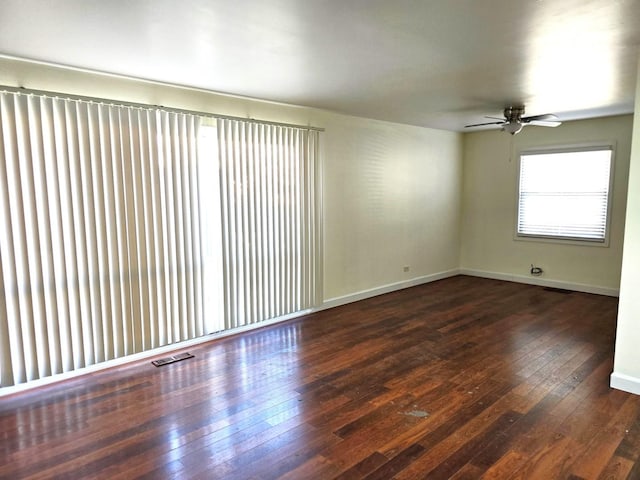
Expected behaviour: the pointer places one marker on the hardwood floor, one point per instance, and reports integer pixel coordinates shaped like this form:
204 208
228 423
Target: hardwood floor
462 378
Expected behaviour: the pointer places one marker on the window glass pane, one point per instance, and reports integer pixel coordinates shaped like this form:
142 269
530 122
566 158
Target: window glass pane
564 194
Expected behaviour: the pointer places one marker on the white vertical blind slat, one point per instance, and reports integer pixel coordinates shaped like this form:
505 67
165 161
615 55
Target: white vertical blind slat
298 225
109 283
118 237
147 219
92 337
51 230
241 229
131 150
81 195
278 280
73 241
190 237
128 254
249 196
95 223
286 217
175 127
270 214
168 207
258 191
32 202
25 240
140 274
162 235
14 355
196 231
224 219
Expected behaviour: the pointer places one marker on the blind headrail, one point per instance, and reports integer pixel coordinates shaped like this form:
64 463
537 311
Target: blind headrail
144 106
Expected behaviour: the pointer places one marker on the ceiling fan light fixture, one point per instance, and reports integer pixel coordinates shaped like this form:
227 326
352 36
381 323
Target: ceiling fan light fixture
513 127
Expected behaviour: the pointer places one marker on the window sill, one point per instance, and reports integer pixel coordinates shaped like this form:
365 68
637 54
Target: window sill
562 241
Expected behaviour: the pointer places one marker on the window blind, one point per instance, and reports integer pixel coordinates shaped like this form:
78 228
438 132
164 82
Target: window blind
269 239
565 194
124 228
100 242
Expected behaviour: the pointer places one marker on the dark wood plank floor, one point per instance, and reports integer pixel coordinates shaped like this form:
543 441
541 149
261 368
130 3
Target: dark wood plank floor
461 378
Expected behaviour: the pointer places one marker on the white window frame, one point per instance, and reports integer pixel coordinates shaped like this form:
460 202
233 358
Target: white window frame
583 147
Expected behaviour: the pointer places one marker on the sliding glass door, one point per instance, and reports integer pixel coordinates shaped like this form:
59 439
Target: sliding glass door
124 229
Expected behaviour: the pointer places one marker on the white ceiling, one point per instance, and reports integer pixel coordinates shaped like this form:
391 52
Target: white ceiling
435 63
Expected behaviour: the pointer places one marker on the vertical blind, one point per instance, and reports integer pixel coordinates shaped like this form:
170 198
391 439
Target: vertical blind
267 178
565 194
99 243
123 229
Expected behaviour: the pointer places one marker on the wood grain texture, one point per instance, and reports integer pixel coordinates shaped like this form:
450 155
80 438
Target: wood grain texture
461 378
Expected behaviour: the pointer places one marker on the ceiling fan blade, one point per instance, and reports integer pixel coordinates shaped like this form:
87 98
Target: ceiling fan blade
483 124
546 116
496 118
543 123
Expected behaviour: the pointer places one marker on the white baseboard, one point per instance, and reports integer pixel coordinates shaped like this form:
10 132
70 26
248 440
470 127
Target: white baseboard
391 287
543 282
626 383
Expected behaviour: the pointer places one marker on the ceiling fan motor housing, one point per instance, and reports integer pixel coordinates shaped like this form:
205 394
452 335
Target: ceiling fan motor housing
513 120
513 114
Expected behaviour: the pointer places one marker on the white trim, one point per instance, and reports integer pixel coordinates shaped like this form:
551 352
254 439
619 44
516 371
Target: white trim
626 383
374 292
543 282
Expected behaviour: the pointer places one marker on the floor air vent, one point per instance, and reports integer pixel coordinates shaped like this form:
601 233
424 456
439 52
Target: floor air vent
557 290
175 358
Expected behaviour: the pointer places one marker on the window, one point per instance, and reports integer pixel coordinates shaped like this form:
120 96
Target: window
127 228
565 194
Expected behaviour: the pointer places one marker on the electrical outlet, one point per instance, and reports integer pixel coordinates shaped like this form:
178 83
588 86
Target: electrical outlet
535 271
405 269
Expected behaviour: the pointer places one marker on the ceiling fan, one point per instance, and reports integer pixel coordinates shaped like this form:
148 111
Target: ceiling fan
514 121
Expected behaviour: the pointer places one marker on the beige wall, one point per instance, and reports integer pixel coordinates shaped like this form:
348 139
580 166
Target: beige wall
626 372
489 209
391 200
391 193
